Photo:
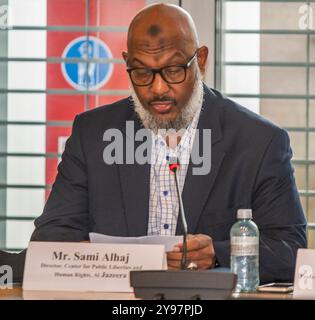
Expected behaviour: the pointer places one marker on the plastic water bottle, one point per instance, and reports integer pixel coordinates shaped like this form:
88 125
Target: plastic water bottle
244 237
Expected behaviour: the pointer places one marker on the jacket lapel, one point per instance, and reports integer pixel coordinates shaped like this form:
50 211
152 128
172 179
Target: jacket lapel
135 184
197 188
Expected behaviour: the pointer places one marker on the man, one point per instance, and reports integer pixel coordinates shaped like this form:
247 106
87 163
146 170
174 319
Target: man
250 163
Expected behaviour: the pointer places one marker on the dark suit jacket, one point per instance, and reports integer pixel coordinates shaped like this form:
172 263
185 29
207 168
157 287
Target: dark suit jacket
250 169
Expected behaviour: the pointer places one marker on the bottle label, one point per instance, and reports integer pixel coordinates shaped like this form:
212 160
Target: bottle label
244 246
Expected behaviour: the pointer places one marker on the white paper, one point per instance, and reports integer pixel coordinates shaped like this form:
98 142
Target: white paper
167 241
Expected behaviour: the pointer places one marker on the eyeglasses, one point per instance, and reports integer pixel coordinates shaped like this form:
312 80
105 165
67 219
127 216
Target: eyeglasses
142 77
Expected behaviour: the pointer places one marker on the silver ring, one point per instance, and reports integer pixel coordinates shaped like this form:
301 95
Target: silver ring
192 266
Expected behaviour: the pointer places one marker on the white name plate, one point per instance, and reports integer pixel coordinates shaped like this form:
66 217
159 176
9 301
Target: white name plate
304 278
87 267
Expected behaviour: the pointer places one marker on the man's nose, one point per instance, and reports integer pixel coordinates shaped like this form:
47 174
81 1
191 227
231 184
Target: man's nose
159 85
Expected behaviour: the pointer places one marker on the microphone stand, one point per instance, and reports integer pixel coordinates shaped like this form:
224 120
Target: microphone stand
184 263
182 284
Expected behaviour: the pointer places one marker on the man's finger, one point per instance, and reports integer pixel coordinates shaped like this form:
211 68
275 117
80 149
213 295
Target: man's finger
203 253
174 264
172 268
196 242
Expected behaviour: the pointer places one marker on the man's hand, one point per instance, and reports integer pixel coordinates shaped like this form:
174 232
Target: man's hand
199 250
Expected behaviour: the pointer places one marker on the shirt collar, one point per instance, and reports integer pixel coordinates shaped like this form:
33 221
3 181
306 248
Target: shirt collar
185 145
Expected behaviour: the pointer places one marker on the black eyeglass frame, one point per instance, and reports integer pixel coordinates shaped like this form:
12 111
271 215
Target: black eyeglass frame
160 72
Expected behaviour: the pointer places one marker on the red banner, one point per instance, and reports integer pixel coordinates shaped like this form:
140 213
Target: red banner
78 76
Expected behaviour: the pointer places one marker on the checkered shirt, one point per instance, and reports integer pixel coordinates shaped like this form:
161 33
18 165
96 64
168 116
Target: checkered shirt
164 206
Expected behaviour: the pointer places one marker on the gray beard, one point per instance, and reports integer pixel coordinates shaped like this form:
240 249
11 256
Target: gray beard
182 121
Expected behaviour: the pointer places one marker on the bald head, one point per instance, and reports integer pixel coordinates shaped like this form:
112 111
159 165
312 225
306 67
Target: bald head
158 26
163 48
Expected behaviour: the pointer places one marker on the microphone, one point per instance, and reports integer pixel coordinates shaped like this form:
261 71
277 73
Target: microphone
174 166
182 284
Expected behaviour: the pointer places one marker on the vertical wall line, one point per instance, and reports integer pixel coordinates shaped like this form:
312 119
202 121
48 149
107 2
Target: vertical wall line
87 32
307 132
3 131
219 69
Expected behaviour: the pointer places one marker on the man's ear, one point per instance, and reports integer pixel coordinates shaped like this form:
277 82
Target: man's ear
125 56
202 57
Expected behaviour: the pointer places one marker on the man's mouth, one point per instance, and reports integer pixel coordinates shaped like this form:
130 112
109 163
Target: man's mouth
161 106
